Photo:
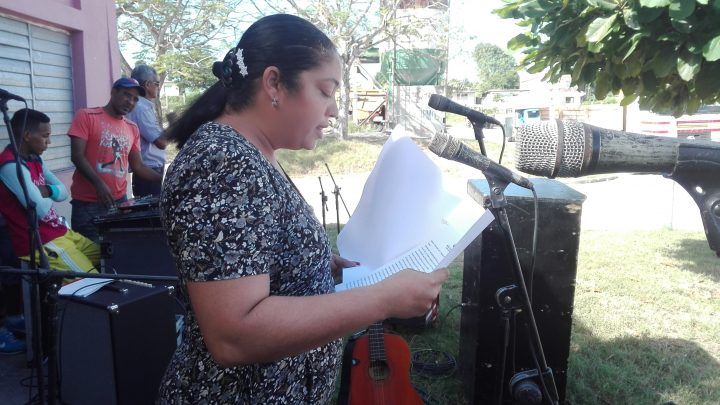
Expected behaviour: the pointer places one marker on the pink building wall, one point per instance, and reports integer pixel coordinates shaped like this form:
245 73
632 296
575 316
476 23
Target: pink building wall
93 38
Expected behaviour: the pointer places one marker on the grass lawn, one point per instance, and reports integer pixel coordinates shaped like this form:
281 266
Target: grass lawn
646 326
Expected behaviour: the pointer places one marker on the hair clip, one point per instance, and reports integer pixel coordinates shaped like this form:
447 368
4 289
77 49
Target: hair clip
240 62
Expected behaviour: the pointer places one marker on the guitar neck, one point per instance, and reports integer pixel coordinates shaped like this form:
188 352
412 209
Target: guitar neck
377 342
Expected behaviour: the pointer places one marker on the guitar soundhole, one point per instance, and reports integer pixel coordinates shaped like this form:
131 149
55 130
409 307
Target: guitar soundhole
378 370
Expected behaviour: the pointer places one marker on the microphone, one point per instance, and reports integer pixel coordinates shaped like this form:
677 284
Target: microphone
6 95
448 147
440 103
573 149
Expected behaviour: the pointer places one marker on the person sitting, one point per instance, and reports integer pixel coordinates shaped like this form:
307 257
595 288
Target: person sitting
65 249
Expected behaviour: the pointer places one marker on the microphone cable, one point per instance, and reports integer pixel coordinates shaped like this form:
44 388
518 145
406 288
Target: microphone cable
533 251
531 271
433 363
502 150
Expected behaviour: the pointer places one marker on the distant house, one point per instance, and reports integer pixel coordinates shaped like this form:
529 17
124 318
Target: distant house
60 55
170 89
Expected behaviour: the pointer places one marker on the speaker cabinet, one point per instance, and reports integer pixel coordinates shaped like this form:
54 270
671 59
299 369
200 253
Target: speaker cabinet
134 243
488 268
115 344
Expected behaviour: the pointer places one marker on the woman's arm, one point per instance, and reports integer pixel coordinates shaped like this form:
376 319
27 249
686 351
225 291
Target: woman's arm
241 323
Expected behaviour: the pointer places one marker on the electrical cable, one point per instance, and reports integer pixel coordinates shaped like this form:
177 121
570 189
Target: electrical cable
433 363
531 272
502 150
447 314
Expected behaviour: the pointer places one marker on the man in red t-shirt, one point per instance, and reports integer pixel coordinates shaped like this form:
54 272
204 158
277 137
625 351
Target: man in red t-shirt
104 147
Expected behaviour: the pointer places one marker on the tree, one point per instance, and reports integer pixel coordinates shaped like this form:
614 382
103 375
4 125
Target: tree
180 38
496 69
455 86
664 53
358 25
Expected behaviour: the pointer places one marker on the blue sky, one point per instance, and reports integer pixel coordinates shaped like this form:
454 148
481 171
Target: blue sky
472 21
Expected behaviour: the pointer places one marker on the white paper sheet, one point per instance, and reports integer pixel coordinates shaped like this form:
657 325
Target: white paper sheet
406 218
84 287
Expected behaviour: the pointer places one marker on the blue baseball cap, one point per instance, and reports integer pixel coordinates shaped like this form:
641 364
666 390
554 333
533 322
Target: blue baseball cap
129 83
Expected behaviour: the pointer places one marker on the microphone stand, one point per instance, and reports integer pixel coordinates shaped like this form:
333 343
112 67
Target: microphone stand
79 274
479 136
338 198
514 297
35 251
323 202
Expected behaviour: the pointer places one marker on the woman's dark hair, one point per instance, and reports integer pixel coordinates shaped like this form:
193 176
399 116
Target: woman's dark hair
288 42
29 118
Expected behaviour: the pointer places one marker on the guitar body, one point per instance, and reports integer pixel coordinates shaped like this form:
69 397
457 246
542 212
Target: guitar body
382 381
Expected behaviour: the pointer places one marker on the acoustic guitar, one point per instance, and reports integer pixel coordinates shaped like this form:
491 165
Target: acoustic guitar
381 370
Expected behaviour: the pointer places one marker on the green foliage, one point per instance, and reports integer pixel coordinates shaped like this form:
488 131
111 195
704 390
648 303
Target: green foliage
664 53
181 39
455 86
496 69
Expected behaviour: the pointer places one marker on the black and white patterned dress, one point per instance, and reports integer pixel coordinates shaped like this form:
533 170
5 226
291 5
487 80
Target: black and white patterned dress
229 213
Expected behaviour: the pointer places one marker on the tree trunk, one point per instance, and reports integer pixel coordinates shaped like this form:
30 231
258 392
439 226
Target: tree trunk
344 107
158 103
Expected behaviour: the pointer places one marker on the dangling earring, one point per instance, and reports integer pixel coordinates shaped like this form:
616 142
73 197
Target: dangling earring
275 102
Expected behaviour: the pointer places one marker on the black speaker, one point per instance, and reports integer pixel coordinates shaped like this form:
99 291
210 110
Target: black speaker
115 344
486 336
134 243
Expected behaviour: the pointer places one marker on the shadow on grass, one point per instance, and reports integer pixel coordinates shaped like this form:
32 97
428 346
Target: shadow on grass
698 256
640 371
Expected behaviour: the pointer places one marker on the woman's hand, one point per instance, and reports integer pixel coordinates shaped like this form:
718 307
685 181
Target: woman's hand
410 293
337 264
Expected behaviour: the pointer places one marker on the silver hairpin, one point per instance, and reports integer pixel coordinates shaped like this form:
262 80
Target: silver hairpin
240 62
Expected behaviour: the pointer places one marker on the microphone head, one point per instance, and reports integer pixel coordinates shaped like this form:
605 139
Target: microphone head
550 148
444 145
438 102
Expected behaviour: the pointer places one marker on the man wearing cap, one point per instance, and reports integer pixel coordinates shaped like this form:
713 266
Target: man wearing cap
152 143
104 144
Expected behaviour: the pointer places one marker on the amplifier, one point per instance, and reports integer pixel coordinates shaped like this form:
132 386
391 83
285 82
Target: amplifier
134 243
115 344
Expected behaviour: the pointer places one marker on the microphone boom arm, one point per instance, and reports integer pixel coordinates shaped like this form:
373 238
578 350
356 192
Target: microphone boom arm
697 171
